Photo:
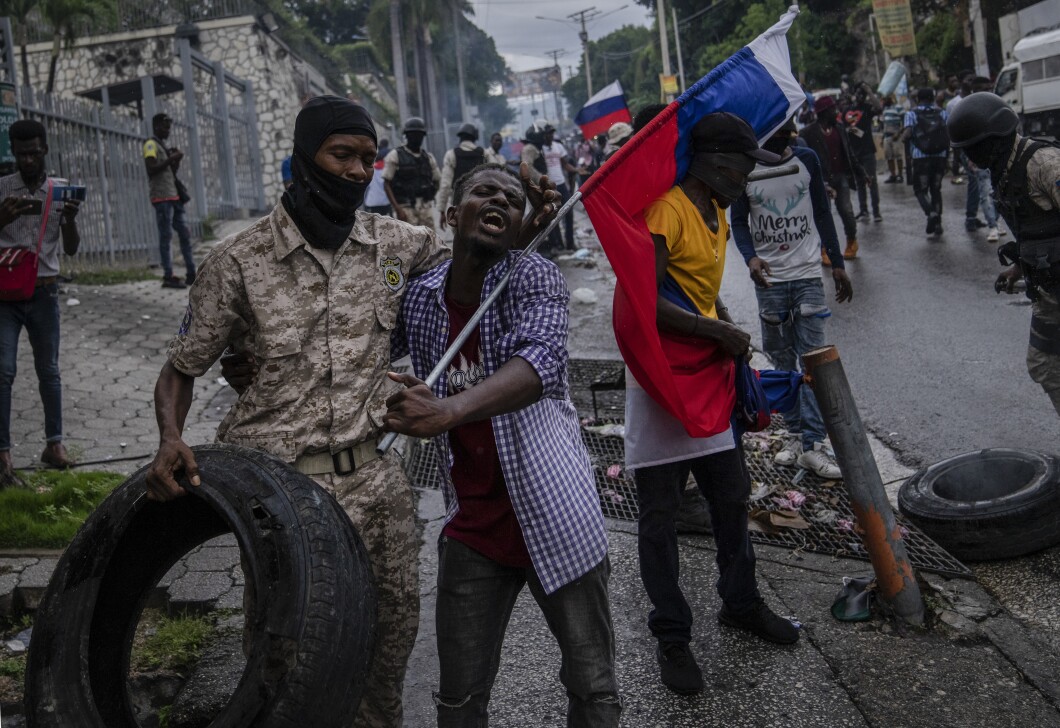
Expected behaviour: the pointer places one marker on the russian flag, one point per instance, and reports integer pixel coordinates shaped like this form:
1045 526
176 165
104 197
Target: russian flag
692 379
605 108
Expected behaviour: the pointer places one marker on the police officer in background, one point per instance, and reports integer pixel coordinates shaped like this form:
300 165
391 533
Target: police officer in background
457 162
1025 173
410 177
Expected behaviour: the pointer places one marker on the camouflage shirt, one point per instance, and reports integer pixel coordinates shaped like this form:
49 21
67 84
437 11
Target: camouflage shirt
317 322
1043 176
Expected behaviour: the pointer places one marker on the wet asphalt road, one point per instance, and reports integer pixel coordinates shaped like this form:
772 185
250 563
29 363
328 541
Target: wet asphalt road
935 358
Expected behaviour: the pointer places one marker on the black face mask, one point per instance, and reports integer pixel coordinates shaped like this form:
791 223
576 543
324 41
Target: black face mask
323 205
778 144
705 167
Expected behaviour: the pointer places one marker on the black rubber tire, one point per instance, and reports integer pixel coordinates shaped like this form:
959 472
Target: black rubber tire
313 626
989 504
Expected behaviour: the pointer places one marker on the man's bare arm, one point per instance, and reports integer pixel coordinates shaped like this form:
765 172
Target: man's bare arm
173 392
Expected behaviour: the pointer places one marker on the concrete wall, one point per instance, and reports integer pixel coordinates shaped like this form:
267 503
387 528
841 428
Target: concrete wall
280 79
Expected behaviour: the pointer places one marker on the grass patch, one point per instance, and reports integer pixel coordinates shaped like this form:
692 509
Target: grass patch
170 643
48 513
14 668
111 277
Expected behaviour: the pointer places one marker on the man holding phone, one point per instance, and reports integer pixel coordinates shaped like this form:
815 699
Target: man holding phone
162 165
28 218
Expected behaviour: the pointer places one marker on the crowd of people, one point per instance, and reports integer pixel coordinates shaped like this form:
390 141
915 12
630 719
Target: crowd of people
313 373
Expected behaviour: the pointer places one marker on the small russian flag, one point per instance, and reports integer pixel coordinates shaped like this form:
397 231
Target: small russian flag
605 108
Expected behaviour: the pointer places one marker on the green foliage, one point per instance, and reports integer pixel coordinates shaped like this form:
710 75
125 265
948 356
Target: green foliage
940 42
13 667
332 21
49 512
174 643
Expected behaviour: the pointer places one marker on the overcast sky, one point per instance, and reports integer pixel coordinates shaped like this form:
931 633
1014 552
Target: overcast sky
523 39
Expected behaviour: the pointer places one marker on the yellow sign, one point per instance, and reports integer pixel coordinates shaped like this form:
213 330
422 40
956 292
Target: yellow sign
894 21
668 83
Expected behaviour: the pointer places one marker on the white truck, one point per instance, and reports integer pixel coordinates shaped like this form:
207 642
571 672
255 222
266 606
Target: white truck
1031 84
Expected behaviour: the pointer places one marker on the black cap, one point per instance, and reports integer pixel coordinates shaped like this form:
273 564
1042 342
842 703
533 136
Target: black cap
724 132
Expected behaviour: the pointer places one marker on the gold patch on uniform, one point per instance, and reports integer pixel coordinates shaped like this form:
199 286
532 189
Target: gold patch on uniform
392 275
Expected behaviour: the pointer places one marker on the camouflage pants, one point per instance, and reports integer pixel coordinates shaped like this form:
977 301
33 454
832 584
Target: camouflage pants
422 213
378 500
1044 367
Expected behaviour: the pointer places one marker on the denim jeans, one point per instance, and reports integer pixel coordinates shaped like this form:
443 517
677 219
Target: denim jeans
40 317
986 195
793 315
556 238
868 163
475 600
841 185
170 217
723 480
971 199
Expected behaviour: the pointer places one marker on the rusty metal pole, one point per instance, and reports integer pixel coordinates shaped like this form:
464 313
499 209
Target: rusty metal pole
894 574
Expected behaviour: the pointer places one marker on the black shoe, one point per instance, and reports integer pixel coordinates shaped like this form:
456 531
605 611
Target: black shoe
900 179
862 216
760 620
892 179
678 669
693 516
973 223
934 225
172 282
189 279
930 225
877 217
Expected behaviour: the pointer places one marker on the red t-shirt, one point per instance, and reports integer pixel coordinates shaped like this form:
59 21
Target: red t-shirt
486 521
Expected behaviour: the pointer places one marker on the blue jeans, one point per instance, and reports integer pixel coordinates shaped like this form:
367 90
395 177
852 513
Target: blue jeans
985 188
723 480
40 316
475 600
793 315
170 217
971 200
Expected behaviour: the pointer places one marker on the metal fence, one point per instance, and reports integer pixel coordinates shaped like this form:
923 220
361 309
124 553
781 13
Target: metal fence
100 146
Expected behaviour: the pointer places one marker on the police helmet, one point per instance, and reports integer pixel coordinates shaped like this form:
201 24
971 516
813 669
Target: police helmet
468 131
414 123
979 116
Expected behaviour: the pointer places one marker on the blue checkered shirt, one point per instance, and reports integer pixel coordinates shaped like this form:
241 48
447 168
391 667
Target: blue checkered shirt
546 467
910 120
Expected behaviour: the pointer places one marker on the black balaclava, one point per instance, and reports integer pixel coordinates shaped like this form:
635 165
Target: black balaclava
323 205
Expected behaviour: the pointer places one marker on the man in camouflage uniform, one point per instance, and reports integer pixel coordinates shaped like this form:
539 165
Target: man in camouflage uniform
1025 173
312 292
411 176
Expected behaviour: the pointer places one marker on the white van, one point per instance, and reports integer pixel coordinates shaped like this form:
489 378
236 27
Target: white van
1031 86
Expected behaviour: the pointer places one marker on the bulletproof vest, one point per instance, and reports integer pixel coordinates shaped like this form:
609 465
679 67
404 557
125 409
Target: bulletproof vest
539 161
1037 231
414 178
467 161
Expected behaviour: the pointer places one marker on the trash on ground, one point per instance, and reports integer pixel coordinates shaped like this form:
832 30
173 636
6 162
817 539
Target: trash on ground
73 302
611 429
854 601
614 471
584 295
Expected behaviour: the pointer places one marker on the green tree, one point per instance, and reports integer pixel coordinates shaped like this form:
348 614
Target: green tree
333 21
940 42
66 18
18 11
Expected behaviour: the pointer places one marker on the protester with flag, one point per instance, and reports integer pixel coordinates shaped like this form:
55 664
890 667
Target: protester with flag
658 208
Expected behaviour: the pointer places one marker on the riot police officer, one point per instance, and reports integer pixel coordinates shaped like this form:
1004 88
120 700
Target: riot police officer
1026 177
411 176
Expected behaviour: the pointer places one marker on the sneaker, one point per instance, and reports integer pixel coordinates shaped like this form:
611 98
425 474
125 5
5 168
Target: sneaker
992 236
172 282
678 668
189 279
930 227
760 620
958 180
862 216
900 179
877 217
973 223
891 180
693 516
1001 231
820 462
789 453
934 224
851 251
825 260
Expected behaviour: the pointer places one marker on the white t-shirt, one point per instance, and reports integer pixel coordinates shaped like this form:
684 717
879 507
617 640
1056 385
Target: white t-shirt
655 437
553 154
780 217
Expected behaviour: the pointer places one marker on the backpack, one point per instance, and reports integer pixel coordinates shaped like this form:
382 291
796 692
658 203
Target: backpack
929 133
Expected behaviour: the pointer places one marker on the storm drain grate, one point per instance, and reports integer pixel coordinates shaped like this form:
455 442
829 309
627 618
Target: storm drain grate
618 494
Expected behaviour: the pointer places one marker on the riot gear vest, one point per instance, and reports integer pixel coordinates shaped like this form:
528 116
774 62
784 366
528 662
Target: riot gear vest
414 178
467 160
1037 231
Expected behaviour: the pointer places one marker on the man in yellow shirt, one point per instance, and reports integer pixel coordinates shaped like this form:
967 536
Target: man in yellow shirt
690 232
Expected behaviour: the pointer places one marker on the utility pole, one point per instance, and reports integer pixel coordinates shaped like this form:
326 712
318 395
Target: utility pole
664 41
555 91
460 63
677 42
581 16
975 12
